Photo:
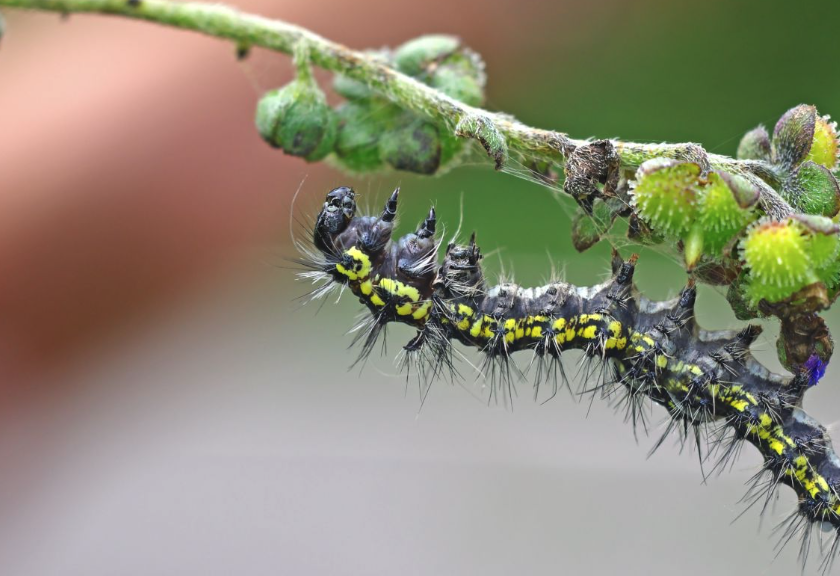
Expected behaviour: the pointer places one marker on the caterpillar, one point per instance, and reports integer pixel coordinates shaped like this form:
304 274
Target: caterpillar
708 381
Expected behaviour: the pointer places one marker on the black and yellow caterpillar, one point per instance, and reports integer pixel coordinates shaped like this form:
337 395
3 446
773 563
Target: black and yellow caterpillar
653 350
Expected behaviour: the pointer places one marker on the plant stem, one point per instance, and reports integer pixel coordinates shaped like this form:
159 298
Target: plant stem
248 30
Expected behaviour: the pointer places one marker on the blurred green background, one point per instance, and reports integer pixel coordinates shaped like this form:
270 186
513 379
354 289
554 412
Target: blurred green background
168 408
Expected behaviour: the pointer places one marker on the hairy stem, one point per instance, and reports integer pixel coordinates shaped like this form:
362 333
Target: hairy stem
248 30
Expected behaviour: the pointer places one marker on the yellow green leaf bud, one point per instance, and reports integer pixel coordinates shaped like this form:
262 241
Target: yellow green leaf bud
665 195
721 216
755 145
813 189
824 148
777 260
297 118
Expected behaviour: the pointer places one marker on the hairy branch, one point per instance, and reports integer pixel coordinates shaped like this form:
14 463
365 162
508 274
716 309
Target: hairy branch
248 30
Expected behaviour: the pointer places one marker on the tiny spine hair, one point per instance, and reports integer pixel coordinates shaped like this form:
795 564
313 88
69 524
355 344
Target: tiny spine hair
708 381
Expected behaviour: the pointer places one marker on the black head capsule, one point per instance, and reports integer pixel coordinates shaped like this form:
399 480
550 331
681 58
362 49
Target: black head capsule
339 209
390 211
427 230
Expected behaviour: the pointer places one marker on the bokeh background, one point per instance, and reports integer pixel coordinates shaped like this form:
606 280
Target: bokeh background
168 407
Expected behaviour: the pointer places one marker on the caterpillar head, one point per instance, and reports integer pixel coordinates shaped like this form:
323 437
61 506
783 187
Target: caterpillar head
333 219
460 273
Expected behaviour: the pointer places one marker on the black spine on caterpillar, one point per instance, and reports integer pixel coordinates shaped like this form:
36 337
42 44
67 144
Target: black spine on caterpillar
656 349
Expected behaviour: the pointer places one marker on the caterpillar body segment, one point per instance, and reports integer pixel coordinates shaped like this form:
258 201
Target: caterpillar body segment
393 279
708 381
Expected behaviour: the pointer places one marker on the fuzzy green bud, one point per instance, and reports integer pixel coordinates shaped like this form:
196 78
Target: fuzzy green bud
413 145
823 246
361 126
666 195
417 145
443 63
813 189
415 56
824 148
297 118
461 76
722 213
755 145
777 259
801 134
793 135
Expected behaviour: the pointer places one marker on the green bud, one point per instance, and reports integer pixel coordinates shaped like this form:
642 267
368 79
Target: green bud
461 76
824 148
823 246
361 125
802 135
297 118
793 135
724 210
755 145
2 26
777 259
745 193
705 212
415 56
813 189
666 195
443 63
413 145
351 89
416 145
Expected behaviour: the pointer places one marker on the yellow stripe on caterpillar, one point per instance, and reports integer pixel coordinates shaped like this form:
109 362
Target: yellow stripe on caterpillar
397 288
361 265
376 300
404 309
422 311
475 331
465 310
588 332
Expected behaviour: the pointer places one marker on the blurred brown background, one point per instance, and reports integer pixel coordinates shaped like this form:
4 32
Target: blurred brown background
166 408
